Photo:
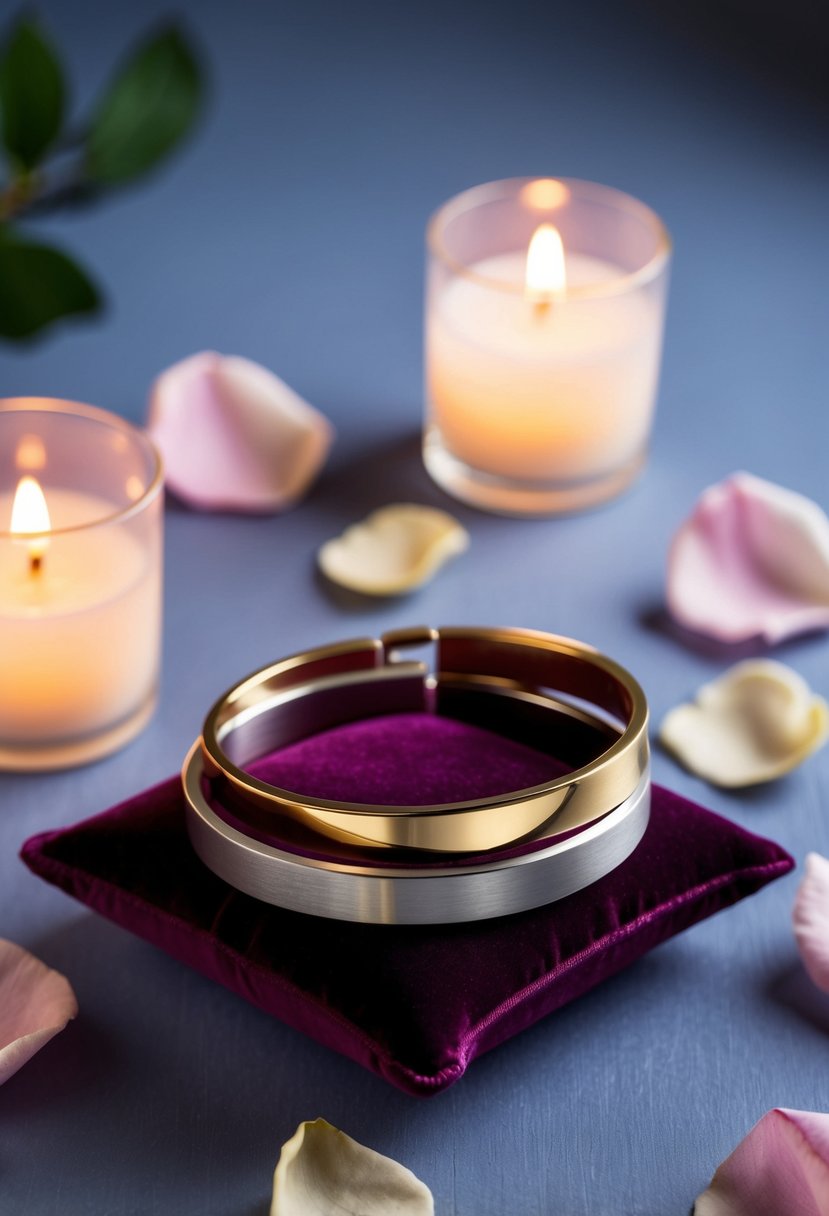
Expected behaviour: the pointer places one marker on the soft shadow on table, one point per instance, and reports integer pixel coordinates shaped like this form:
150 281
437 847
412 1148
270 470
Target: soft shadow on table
73 1064
791 988
390 470
354 601
213 1067
80 1059
347 600
656 619
85 1058
379 474
659 970
356 482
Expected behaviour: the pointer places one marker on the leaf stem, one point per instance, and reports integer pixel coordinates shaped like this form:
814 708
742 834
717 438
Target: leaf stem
36 193
16 196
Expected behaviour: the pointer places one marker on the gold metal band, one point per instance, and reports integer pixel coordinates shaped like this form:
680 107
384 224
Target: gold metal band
306 693
410 894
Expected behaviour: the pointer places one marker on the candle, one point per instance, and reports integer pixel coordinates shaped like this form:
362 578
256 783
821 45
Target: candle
542 360
80 583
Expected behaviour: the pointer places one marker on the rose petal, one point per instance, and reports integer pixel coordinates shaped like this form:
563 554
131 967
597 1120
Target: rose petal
35 1003
752 560
756 722
393 550
781 1168
234 436
811 919
323 1172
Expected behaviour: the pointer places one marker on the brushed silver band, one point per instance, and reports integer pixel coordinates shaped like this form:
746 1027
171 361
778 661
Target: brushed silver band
411 895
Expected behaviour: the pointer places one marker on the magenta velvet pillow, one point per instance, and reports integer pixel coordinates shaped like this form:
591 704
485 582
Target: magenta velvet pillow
414 1004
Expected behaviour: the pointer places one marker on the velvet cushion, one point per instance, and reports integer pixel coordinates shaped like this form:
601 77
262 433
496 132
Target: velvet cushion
414 1004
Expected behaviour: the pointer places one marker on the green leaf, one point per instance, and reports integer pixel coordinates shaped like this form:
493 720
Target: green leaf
38 285
32 94
147 109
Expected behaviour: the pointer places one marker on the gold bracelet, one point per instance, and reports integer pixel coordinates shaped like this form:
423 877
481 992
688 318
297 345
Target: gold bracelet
319 689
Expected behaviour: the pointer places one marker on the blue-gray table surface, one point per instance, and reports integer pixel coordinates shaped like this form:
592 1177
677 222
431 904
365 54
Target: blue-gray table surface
290 231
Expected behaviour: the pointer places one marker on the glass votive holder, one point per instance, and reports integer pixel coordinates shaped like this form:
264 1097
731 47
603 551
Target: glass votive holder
544 316
81 513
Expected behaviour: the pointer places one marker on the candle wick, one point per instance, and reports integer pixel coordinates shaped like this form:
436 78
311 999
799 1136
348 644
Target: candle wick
35 563
541 309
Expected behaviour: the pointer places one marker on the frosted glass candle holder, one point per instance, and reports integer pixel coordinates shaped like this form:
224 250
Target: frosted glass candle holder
544 318
80 582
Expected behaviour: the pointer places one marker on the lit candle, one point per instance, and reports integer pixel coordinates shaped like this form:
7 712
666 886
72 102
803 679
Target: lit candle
542 361
80 584
545 275
30 515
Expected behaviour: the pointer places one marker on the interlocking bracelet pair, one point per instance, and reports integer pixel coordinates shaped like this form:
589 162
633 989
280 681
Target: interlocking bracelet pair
437 863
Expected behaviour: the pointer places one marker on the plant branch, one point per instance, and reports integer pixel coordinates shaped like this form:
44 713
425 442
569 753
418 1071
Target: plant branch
33 194
16 196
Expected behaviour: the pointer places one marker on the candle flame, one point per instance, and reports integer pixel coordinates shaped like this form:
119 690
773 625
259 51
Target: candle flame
546 276
30 515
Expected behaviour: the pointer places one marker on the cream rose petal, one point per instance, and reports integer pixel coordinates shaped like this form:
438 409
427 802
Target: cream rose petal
811 919
234 437
323 1172
393 550
781 1168
35 1003
752 560
756 722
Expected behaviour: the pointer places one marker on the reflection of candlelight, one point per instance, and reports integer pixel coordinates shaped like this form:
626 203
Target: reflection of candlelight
31 454
30 515
545 276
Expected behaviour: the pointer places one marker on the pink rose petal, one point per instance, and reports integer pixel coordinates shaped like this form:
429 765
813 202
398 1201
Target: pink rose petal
35 1003
233 436
781 1168
811 920
752 560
